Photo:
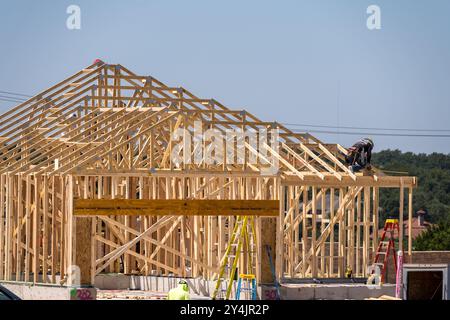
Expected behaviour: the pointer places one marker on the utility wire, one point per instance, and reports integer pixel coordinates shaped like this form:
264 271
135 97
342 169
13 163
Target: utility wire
8 96
364 128
11 100
16 94
14 98
379 134
18 99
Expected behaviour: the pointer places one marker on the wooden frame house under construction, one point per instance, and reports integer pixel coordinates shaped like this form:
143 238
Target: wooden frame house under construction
88 179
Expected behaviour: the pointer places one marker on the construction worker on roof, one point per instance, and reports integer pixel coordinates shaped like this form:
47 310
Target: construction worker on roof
179 293
359 155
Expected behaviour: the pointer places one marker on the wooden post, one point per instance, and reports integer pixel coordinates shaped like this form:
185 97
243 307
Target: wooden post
36 229
410 216
2 225
71 235
358 235
322 228
54 231
28 228
341 235
84 249
314 233
400 213
8 229
280 245
331 266
268 237
366 230
304 230
45 231
375 218
351 236
19 259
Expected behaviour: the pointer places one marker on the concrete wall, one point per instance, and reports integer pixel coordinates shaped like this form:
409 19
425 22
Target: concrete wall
31 291
28 291
198 286
204 288
428 257
418 257
334 291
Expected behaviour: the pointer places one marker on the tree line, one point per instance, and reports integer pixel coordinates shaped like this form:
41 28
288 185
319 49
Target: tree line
432 193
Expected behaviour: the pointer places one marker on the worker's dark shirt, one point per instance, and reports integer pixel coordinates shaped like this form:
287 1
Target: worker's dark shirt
363 146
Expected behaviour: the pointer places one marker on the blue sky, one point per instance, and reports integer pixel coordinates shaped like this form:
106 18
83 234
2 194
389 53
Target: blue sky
306 62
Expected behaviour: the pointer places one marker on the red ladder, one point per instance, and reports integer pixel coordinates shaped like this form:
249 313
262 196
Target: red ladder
385 246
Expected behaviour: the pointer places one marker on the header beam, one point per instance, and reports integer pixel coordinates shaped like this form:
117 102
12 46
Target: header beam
102 207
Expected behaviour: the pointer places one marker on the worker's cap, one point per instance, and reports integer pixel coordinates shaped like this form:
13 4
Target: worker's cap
370 141
182 281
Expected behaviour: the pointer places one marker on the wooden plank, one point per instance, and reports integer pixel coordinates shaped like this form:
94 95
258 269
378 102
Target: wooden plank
8 228
314 232
45 238
335 160
410 216
366 229
341 235
93 207
319 160
304 230
28 223
83 249
279 239
268 235
400 215
331 263
2 225
19 259
54 231
375 214
36 229
363 181
358 234
330 227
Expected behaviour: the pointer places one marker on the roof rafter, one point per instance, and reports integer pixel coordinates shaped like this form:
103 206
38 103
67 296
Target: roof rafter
105 117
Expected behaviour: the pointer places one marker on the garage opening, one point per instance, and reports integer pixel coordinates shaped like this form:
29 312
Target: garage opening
425 285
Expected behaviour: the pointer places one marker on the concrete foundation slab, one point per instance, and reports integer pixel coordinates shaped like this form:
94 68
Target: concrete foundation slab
30 291
334 291
201 288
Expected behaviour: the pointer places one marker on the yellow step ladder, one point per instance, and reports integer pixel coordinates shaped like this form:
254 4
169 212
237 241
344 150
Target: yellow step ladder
242 244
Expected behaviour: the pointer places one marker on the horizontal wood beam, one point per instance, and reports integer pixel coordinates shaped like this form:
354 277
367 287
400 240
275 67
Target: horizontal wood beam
362 181
101 207
168 173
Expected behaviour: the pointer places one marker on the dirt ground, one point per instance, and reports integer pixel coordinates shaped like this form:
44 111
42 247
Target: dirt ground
137 295
129 295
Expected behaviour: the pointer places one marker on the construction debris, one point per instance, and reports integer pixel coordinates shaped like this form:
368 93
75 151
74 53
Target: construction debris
129 295
384 297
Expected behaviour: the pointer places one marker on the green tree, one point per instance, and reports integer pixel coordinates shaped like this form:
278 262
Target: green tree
435 238
433 191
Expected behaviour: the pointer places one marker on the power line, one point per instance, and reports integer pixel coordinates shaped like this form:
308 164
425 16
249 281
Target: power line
363 128
16 94
379 134
18 99
9 97
11 100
